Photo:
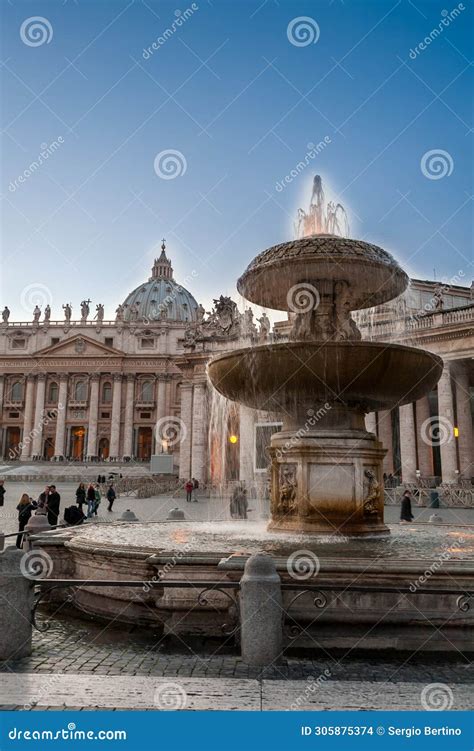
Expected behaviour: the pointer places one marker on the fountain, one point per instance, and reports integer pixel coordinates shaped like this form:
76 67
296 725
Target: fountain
326 469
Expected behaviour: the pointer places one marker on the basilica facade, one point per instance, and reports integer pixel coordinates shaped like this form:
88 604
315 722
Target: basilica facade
122 390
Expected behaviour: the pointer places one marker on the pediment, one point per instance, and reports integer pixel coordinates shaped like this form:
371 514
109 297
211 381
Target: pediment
80 345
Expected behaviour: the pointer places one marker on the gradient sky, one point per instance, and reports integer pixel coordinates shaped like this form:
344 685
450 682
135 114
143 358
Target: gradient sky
240 102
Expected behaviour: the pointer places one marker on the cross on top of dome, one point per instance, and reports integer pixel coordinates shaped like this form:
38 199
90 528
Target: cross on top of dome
162 268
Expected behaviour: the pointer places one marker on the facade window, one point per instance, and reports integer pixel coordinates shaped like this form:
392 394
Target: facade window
104 415
13 415
17 391
107 392
53 393
54 340
147 391
145 415
80 391
147 342
109 341
18 343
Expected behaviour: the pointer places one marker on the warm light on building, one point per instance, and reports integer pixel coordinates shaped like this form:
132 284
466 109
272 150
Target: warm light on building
233 439
456 432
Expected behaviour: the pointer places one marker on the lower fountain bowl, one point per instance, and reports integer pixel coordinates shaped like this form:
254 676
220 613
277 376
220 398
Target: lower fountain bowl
366 375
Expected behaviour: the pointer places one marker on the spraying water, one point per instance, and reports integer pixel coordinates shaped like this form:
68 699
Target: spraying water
322 218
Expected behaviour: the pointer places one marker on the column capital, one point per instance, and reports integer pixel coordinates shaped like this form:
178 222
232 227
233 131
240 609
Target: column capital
63 377
118 377
41 376
131 377
94 377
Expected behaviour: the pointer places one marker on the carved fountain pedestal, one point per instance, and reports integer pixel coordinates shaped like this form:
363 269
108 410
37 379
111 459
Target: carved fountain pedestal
326 468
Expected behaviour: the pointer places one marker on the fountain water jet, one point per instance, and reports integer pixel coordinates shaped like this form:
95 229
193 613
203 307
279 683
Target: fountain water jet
326 468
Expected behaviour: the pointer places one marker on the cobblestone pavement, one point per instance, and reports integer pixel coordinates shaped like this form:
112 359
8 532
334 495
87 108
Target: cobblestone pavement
74 645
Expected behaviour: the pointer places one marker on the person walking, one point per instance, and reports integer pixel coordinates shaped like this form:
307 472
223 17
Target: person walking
97 498
195 489
25 508
239 503
2 492
52 506
189 487
90 497
81 495
405 510
111 496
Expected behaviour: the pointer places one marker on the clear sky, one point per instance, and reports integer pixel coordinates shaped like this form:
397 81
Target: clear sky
239 89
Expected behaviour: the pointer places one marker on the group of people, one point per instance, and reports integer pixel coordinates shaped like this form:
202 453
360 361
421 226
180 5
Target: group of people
48 503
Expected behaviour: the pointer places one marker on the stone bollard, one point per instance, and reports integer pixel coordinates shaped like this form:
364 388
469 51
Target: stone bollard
175 514
16 603
261 629
36 523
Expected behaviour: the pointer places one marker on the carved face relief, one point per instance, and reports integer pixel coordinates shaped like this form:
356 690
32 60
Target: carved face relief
80 346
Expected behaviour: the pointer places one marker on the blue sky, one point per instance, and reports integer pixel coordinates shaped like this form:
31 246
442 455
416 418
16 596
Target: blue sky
240 102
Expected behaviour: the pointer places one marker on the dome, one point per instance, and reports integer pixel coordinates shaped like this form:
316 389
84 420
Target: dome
161 297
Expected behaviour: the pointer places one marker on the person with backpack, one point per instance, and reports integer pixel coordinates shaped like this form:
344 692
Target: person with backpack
189 487
195 489
111 496
25 508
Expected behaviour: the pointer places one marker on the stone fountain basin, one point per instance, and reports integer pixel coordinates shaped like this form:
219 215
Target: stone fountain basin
373 275
371 375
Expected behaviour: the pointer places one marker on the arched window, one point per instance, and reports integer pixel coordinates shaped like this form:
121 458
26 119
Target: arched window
107 392
147 391
80 391
17 391
53 393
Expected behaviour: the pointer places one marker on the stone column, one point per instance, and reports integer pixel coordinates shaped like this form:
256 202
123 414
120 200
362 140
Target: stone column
28 418
199 437
246 444
128 427
371 422
39 417
61 419
116 414
186 431
423 430
464 421
91 450
2 391
447 444
17 597
386 438
408 443
160 413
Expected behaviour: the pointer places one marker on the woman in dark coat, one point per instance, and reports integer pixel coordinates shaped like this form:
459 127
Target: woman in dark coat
405 511
25 508
81 495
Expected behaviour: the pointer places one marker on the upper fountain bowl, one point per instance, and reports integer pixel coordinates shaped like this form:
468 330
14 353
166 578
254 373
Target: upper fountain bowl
373 275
